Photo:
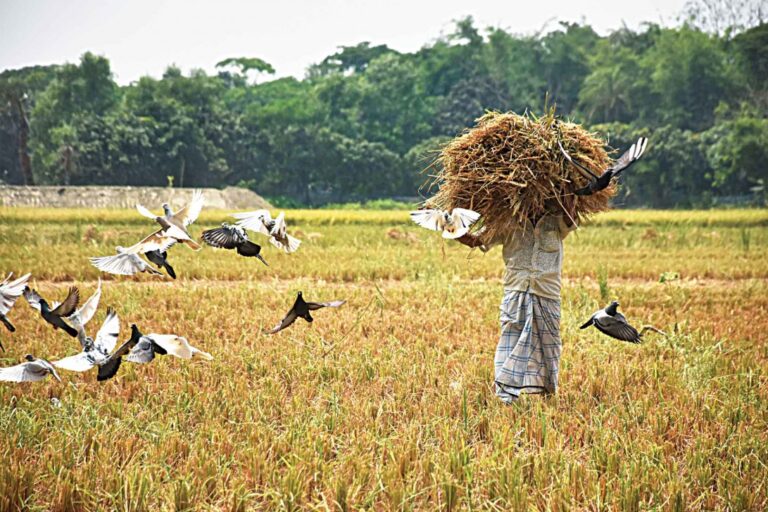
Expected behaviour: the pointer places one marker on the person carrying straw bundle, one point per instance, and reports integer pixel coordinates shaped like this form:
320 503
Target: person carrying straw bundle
530 179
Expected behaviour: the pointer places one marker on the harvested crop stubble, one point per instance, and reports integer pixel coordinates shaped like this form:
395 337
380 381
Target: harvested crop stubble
509 168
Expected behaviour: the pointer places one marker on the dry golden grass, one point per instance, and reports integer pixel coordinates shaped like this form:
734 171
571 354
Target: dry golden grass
386 403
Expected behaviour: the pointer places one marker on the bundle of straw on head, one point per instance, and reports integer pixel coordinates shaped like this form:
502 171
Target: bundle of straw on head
509 168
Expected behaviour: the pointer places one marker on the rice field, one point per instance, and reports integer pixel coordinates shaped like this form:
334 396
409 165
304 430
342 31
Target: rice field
387 403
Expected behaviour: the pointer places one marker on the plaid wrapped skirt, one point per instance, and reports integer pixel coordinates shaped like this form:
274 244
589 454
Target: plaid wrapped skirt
528 354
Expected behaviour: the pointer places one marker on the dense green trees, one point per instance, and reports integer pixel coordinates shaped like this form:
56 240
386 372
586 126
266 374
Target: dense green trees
365 120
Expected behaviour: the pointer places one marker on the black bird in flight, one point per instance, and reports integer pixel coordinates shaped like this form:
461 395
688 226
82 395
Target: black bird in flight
609 321
301 309
55 316
160 258
10 291
598 183
233 237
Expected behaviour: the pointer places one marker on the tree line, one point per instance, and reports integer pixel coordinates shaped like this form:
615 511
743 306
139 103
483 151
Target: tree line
366 121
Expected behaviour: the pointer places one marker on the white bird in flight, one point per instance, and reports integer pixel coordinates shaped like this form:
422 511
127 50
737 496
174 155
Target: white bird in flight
175 225
454 224
262 222
34 369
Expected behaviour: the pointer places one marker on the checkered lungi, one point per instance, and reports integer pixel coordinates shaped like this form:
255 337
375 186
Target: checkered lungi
528 353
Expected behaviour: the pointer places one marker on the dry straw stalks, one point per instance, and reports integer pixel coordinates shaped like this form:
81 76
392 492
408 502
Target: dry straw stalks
508 168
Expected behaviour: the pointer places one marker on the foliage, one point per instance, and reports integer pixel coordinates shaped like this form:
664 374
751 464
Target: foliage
364 120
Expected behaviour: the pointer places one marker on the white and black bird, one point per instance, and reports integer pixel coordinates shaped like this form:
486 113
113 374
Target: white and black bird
262 222
10 291
233 237
94 351
175 224
142 349
598 183
34 369
454 224
609 321
165 344
56 313
301 309
127 261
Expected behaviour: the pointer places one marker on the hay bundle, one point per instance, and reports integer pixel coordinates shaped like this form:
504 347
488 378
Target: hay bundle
509 168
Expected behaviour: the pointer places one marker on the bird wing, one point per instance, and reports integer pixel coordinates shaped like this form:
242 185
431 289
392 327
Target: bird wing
255 221
584 171
290 246
24 372
177 346
224 237
279 228
317 305
157 241
429 219
32 297
120 264
617 328
69 305
106 338
148 214
81 362
630 156
285 322
10 291
190 212
143 352
84 315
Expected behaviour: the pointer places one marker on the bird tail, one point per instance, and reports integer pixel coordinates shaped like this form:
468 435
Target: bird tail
262 259
7 323
586 324
647 328
193 245
109 369
69 329
169 269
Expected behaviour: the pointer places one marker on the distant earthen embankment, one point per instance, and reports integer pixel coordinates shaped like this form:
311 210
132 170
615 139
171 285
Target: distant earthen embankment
232 198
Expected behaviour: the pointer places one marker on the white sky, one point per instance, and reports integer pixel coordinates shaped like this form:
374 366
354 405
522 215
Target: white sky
143 37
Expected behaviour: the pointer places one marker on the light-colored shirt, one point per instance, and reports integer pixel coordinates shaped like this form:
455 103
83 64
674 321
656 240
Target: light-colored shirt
533 256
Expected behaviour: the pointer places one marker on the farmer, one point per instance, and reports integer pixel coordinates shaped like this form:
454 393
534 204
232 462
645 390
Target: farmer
528 354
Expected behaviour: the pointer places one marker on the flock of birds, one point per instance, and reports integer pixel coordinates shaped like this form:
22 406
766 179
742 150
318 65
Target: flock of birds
101 352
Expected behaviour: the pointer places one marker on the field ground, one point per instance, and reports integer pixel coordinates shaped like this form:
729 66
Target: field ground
386 403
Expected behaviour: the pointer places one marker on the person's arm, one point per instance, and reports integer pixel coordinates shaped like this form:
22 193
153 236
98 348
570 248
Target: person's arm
470 240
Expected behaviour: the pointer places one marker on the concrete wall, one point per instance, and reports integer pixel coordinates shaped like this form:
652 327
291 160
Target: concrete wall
230 198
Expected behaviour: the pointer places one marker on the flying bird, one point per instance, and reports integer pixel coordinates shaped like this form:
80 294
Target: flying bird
233 237
609 321
108 367
95 351
34 369
454 224
175 224
160 258
262 222
169 344
55 316
127 261
10 291
301 309
142 349
598 183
